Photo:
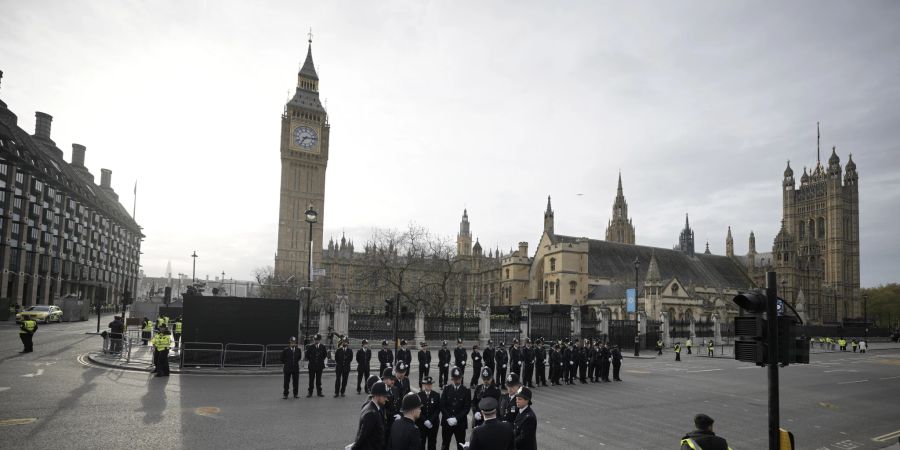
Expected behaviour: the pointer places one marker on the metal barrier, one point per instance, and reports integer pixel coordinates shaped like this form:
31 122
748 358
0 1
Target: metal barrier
197 354
273 354
113 346
244 355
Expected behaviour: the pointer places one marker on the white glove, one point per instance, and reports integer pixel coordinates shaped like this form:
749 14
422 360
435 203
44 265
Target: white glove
465 445
445 365
389 365
477 416
428 424
520 363
426 366
476 358
451 421
464 364
396 416
504 366
571 362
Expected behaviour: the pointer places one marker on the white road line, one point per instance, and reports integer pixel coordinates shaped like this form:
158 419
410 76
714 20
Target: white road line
747 367
4 389
850 382
38 373
705 370
840 370
887 437
890 378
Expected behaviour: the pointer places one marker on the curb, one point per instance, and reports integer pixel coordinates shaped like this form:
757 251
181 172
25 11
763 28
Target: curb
93 358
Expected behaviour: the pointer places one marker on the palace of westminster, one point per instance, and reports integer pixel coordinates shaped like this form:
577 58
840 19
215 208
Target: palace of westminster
816 251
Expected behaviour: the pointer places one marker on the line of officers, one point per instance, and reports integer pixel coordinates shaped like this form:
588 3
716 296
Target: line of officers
394 417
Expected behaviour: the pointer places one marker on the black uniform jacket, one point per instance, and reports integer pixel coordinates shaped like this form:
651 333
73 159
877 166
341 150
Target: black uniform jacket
316 356
363 356
444 357
455 402
493 435
424 359
370 435
460 355
291 359
385 357
515 359
405 435
526 430
404 355
431 410
502 358
488 355
507 411
342 359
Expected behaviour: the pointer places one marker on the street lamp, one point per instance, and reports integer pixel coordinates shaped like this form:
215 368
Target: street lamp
311 217
194 272
866 316
637 322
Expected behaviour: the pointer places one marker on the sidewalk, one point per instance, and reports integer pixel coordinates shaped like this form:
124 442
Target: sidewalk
142 361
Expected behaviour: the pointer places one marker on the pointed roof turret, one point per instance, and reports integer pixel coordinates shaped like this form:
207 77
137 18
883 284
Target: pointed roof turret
707 252
653 276
309 68
788 172
805 177
549 208
619 190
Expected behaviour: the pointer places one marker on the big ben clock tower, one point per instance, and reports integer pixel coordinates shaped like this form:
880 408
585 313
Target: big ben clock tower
304 159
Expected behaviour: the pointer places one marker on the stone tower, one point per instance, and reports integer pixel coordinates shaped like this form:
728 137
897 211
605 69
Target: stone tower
821 224
686 239
729 244
304 159
620 228
464 238
548 218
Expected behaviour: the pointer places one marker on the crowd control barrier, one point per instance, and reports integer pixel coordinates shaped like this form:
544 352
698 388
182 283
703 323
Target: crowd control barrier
202 354
244 355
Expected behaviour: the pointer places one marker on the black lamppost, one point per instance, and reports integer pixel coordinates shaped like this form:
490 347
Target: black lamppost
194 272
637 321
311 217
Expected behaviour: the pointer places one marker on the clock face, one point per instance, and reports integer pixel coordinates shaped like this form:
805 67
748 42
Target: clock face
305 137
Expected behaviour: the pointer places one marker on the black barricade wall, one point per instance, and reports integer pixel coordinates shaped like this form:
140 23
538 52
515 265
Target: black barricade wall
238 320
172 312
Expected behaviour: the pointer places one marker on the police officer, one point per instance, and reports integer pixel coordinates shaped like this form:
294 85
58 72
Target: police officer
459 356
371 432
455 404
402 382
403 354
424 358
515 357
290 359
540 360
710 348
616 362
488 355
554 365
443 364
392 407
363 357
678 351
176 331
487 388
582 361
476 366
161 343
703 437
146 330
343 357
430 419
493 434
689 343
605 354
659 346
569 367
316 356
527 363
502 360
525 425
593 358
508 409
404 433
26 333
385 357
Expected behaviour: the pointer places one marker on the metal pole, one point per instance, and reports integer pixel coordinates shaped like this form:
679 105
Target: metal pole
194 272
866 316
637 323
396 324
309 280
772 360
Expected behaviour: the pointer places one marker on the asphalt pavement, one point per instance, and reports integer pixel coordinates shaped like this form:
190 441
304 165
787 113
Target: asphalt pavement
55 398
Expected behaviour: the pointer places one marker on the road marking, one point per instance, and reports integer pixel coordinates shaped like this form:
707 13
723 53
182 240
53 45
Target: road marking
746 367
636 371
851 382
4 389
887 437
17 421
890 378
840 370
37 373
704 370
207 411
827 405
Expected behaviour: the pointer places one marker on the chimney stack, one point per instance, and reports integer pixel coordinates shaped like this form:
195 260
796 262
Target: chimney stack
42 125
105 178
78 155
523 249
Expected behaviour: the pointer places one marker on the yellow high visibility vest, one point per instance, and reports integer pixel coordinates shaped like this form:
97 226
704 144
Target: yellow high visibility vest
177 327
161 341
148 326
28 326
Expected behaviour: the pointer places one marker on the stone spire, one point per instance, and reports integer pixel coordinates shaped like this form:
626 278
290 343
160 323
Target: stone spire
620 228
309 68
653 277
686 239
729 244
707 252
464 238
548 218
752 243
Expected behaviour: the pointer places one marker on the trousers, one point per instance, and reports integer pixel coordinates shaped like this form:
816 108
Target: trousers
289 377
340 381
362 374
315 377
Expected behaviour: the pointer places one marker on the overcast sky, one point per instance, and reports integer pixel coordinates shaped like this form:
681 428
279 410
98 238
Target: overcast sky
490 106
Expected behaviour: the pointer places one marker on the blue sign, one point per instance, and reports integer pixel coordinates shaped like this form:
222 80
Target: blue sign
630 302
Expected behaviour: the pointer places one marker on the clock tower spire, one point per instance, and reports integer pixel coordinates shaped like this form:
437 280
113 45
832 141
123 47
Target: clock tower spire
305 134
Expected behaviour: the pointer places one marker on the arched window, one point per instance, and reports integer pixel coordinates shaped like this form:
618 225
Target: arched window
557 291
821 228
812 228
801 231
507 274
552 288
552 264
674 288
572 287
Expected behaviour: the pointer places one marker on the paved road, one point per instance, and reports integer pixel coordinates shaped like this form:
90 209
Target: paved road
840 401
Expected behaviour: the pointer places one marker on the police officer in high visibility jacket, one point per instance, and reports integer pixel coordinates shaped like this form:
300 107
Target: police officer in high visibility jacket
146 330
26 334
678 351
455 404
710 348
176 331
161 343
703 437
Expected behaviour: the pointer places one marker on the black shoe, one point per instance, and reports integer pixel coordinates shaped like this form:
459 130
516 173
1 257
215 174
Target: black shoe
319 395
358 391
335 395
309 395
342 394
284 397
296 396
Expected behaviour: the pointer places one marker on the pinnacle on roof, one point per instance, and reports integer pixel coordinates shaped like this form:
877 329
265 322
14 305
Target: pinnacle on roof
788 172
620 183
653 269
687 225
309 68
729 233
850 164
834 160
549 209
707 249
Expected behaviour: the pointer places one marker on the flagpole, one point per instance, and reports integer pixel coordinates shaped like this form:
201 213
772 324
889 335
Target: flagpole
134 208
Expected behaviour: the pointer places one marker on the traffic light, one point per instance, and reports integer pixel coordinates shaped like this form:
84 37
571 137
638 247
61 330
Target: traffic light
752 340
